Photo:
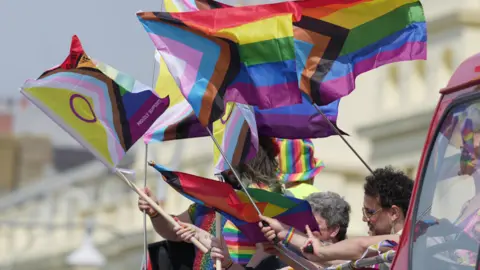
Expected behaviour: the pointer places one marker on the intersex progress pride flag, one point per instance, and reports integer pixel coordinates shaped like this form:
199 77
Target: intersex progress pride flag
103 109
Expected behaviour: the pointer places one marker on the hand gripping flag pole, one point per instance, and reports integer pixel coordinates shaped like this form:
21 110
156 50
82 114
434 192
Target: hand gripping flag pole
157 208
218 228
237 176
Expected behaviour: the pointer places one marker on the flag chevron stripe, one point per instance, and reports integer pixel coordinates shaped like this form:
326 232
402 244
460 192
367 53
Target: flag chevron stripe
217 69
337 36
207 102
370 32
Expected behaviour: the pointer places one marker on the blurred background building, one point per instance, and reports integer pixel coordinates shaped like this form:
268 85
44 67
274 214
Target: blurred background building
55 197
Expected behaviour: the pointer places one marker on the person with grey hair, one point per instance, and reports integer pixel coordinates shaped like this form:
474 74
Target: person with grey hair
332 213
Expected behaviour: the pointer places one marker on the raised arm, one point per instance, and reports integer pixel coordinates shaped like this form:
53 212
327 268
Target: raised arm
349 249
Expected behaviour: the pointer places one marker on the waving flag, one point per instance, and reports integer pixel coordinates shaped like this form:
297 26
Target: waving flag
243 55
237 135
236 207
340 40
336 40
297 121
104 110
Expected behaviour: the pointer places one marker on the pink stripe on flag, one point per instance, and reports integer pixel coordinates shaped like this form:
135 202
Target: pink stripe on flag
184 52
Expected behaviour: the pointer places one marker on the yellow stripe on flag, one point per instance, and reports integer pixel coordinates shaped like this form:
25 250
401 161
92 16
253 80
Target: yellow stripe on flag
278 27
166 85
359 14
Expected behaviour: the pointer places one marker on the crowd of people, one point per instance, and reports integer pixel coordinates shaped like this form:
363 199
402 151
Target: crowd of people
387 194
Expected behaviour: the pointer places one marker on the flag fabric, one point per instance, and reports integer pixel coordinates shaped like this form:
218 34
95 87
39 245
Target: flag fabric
179 120
104 110
189 5
336 40
236 207
339 40
236 133
244 55
299 121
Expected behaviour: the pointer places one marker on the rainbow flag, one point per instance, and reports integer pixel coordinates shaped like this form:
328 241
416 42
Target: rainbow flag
104 110
297 121
235 206
244 55
344 39
236 132
337 40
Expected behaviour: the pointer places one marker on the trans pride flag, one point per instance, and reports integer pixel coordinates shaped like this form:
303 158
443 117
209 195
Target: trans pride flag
243 55
104 110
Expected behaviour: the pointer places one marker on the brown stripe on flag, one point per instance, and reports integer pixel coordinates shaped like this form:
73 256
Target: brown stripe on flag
242 146
320 43
337 35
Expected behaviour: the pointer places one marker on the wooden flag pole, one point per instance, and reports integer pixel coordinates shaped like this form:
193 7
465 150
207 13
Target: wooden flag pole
218 229
157 208
145 240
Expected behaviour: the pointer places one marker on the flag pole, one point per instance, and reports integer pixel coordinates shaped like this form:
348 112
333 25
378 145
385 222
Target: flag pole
218 229
235 173
341 136
157 208
145 253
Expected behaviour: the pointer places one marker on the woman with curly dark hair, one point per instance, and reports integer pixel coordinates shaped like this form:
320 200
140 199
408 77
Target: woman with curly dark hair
386 199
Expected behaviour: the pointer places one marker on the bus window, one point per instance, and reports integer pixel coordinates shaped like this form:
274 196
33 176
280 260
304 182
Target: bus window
446 234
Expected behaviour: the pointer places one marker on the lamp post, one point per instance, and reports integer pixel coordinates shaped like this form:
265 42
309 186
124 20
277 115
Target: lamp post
87 256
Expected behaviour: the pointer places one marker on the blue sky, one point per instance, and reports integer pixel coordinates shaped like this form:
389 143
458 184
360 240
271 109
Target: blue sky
35 35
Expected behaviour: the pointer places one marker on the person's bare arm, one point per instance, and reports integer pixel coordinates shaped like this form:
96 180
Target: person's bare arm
349 249
167 230
164 228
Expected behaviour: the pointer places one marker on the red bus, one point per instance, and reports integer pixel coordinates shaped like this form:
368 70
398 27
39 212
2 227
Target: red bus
447 186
